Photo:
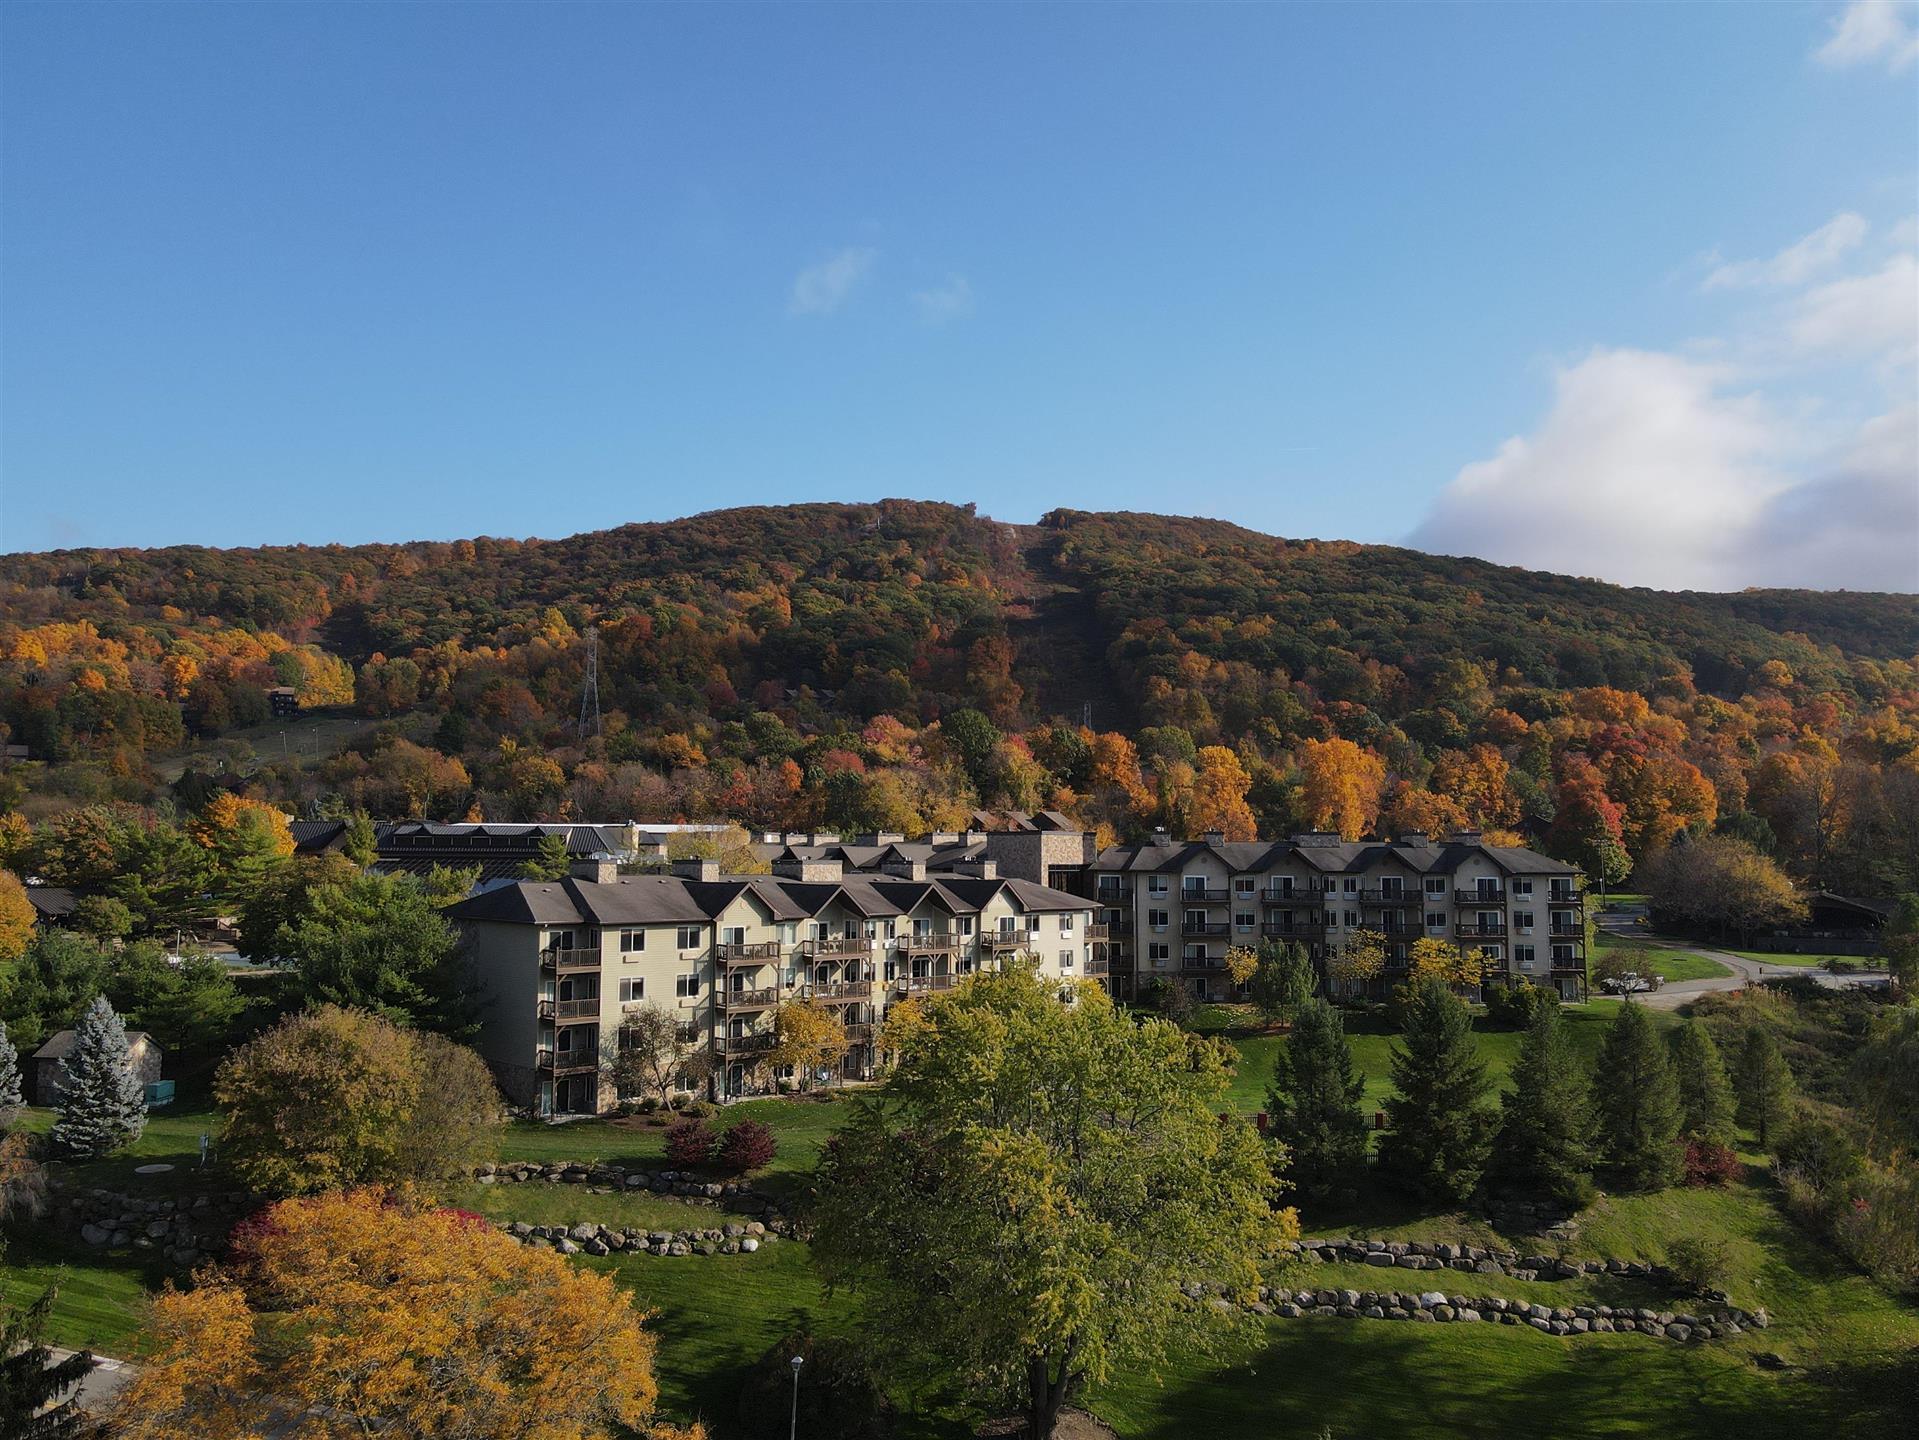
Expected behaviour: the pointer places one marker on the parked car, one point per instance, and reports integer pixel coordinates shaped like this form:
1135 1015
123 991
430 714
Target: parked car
1631 983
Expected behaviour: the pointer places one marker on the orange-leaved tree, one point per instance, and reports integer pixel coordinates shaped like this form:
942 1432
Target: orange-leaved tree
1339 785
357 1313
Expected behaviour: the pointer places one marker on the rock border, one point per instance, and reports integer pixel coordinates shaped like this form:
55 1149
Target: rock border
1433 1306
590 1238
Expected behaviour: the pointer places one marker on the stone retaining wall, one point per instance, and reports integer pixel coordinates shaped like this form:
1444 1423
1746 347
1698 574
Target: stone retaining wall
185 1229
1433 1306
1474 1259
731 1195
736 1238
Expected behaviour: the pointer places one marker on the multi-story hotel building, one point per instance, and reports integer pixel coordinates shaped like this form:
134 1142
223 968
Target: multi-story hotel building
561 963
1171 909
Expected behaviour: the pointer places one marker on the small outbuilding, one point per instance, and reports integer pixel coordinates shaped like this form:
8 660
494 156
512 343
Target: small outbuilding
44 1076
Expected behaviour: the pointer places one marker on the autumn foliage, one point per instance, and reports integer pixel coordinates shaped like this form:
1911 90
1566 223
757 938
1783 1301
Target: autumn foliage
358 1313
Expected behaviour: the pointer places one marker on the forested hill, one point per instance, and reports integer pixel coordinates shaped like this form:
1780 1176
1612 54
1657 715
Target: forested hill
834 638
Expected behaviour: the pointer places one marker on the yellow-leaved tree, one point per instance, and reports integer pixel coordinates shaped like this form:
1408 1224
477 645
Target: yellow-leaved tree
1359 959
359 1313
1242 963
17 917
810 1038
1434 959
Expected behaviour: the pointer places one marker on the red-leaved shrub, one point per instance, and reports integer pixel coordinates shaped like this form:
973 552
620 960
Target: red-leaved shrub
689 1142
1708 1163
747 1145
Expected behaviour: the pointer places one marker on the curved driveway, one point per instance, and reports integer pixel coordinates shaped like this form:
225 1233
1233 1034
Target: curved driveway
1622 923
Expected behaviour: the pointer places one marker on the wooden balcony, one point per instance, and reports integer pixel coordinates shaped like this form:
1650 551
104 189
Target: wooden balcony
932 942
1566 895
1495 896
1297 930
1380 895
1000 943
1480 930
923 984
1099 932
757 1043
1205 929
1191 965
563 1011
760 952
762 999
567 960
861 1033
1298 895
568 1062
1097 968
839 992
1204 896
838 946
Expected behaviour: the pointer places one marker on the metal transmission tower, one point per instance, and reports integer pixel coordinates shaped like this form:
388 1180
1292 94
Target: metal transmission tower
590 692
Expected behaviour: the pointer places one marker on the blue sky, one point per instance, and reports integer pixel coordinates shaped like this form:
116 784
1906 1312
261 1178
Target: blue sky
354 272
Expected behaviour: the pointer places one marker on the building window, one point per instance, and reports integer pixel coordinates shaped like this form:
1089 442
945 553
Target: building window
1245 920
1350 884
1066 959
632 941
1066 924
1245 885
1522 887
1156 919
965 923
1155 950
631 990
1352 918
1524 955
1435 920
1435 887
687 986
1562 954
1522 919
689 937
1156 885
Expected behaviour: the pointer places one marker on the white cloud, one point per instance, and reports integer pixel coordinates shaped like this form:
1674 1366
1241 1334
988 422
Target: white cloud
1870 30
1875 315
821 289
1669 470
951 299
1798 262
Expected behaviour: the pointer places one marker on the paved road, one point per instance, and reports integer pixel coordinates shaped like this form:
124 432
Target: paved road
1623 923
106 1380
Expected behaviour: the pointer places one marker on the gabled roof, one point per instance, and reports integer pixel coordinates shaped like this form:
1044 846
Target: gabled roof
60 1045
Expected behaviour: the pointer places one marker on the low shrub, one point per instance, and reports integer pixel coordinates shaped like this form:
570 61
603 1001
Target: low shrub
1878 1227
1702 1266
747 1145
1513 1008
699 1109
1822 1153
1710 1163
650 1104
690 1142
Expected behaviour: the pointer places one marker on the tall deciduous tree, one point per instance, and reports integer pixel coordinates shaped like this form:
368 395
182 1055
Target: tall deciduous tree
1637 1103
17 917
1036 1190
809 1036
1441 1130
1705 1091
335 1097
1282 981
1544 1146
1314 1105
102 1102
411 1321
1763 1084
1220 784
645 1053
1339 786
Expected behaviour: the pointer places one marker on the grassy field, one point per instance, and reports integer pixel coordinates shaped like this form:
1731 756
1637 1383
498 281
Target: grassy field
1849 1345
1649 955
1770 957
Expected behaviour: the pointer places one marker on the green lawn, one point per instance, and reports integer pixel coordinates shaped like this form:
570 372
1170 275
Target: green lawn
1661 960
1768 957
538 1203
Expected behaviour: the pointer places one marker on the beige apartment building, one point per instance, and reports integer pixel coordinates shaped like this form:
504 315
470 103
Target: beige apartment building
1171 909
561 963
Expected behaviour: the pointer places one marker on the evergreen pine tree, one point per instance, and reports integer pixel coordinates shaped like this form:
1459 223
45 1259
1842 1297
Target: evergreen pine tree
1765 1085
1544 1146
1705 1092
1638 1104
31 1380
102 1102
10 1097
1314 1104
1441 1129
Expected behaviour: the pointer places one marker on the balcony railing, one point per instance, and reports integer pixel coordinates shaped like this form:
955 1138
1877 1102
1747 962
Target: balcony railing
1001 942
1297 930
1495 896
1205 928
839 945
1096 967
565 1010
759 952
757 1043
764 998
1566 895
568 1062
839 992
931 942
1480 930
1194 965
1298 895
919 984
1099 932
558 959
860 1033
1380 895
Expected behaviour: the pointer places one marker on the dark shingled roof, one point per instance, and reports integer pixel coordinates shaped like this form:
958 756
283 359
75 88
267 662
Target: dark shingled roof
50 902
1334 857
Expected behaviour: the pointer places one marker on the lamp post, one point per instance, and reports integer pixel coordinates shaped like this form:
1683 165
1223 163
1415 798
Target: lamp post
793 1432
